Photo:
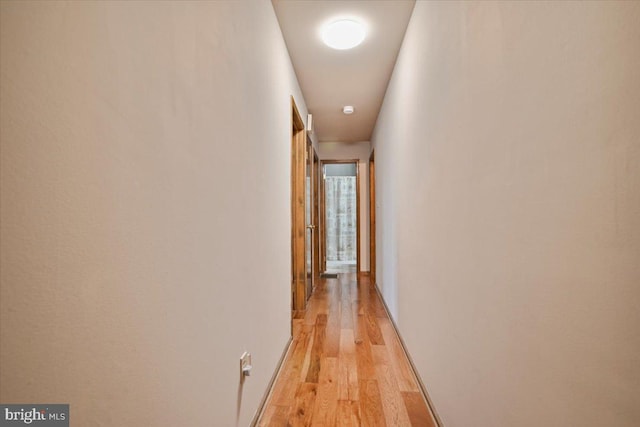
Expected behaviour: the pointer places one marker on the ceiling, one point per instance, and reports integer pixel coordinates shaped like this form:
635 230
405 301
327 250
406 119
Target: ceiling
331 79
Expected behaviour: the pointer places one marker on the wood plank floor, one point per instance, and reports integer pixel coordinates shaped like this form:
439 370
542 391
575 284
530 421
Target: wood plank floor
345 366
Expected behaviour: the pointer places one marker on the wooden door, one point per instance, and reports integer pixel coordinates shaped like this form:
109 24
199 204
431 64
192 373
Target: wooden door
298 223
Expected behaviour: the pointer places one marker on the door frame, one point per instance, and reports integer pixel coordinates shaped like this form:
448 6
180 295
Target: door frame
298 226
323 212
315 174
310 275
372 217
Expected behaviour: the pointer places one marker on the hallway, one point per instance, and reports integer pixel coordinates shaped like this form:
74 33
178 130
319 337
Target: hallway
154 232
345 365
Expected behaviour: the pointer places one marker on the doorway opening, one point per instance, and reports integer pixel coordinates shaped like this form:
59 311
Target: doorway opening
341 215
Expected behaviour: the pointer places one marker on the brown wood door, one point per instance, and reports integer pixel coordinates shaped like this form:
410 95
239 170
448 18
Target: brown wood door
298 222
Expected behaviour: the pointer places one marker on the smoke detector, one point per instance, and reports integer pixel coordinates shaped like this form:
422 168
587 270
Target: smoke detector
348 109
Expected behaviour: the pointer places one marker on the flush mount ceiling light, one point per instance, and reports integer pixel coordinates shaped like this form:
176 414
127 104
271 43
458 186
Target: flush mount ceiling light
343 34
348 109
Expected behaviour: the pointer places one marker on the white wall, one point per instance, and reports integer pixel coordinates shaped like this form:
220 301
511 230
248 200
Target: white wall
361 152
508 174
137 143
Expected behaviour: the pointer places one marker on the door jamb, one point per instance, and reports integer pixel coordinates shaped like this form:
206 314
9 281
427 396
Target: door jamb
372 218
315 217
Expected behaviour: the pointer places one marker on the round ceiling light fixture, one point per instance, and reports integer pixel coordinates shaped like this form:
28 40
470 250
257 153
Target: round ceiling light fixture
348 109
343 34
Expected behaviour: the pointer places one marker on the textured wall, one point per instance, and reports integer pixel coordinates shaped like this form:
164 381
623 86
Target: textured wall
508 176
137 141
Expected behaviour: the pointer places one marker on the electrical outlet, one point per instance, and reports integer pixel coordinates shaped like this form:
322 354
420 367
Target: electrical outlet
245 364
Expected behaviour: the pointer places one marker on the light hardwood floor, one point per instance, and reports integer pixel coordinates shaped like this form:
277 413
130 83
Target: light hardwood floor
345 366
